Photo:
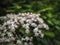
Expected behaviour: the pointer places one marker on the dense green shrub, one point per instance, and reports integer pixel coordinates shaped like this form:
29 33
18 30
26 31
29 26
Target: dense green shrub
49 9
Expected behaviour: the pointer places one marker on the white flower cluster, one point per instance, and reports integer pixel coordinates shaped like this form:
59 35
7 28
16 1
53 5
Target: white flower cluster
28 21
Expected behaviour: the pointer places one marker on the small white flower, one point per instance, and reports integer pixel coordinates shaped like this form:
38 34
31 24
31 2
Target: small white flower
42 35
15 26
36 34
10 34
8 22
12 25
46 26
27 24
32 19
31 13
7 40
12 38
20 18
5 30
27 13
27 38
12 29
37 15
35 30
19 14
27 27
22 39
40 20
21 21
27 31
23 14
19 42
27 20
3 34
33 24
24 25
40 32
12 22
15 20
30 43
25 43
40 26
31 38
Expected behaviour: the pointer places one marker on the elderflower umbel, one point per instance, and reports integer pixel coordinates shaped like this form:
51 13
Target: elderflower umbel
10 28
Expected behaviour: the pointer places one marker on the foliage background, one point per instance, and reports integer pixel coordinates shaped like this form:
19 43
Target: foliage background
49 10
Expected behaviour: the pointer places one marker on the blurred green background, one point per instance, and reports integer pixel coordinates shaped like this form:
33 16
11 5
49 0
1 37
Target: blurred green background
49 10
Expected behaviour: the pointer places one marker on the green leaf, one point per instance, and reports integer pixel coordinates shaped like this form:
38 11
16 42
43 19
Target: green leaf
22 30
28 6
44 17
49 15
15 5
57 22
50 22
57 42
10 10
48 8
57 27
49 34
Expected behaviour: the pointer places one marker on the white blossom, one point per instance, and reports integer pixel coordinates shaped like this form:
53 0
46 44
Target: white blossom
12 38
22 39
32 23
30 43
27 31
40 26
45 26
40 20
25 43
42 35
40 32
27 38
36 34
27 27
24 25
19 42
9 34
3 34
7 40
35 30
